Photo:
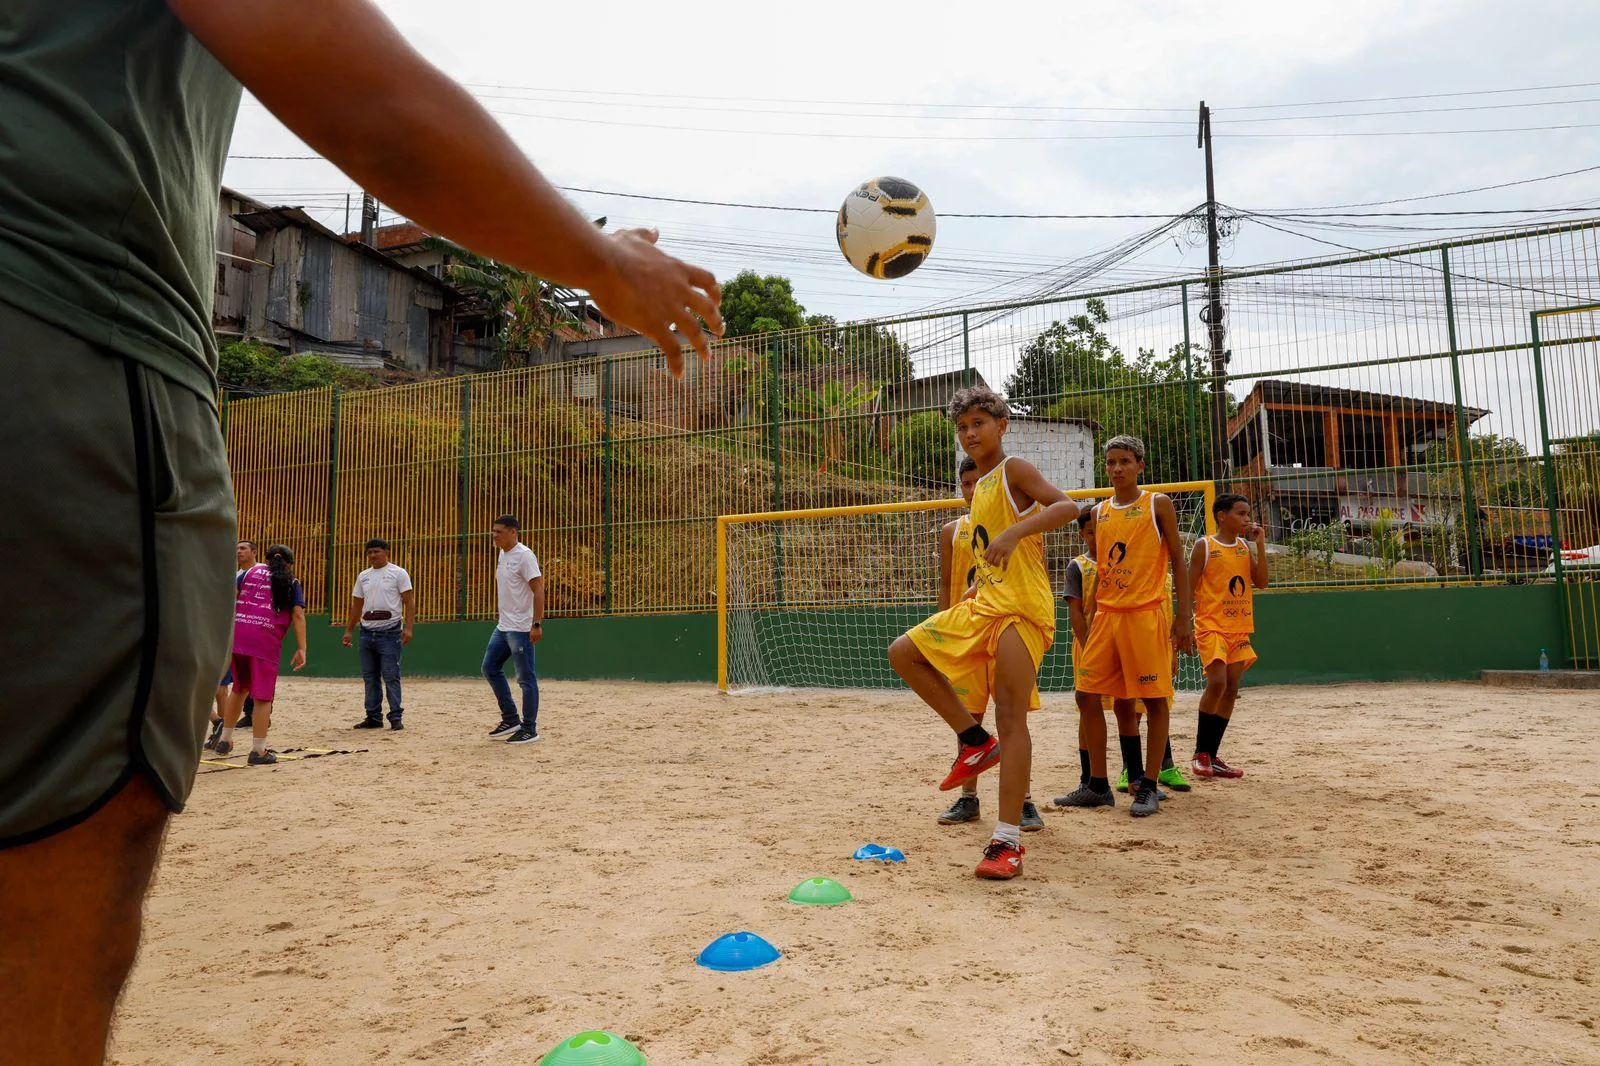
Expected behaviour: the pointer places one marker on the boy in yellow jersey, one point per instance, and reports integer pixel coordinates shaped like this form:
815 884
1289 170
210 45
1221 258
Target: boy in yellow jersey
1006 621
958 568
1223 570
1129 652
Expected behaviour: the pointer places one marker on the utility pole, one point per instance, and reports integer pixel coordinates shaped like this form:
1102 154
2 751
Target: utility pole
369 219
1211 315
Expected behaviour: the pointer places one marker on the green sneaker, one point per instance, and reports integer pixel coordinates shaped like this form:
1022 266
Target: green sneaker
1122 781
1173 778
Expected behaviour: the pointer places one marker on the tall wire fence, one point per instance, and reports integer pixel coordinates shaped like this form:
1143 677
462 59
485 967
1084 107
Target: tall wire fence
1390 416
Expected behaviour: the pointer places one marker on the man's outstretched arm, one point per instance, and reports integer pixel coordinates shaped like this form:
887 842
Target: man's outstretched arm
358 93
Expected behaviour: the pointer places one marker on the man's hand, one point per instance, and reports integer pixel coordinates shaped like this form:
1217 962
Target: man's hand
405 635
1001 547
1183 636
299 660
1258 533
346 640
535 634
651 291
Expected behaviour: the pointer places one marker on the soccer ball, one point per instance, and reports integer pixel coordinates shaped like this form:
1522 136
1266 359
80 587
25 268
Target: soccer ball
886 227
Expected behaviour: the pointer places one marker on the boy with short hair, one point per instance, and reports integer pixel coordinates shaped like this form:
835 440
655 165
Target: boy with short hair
1222 570
1128 655
1006 622
958 568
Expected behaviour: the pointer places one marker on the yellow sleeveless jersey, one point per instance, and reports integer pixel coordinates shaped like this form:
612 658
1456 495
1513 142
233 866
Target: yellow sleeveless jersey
963 565
1130 555
1022 586
1224 596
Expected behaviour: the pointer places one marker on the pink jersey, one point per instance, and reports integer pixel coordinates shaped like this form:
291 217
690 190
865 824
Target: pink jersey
257 629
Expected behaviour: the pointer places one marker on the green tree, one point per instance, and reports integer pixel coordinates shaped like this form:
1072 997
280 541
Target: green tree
253 367
924 448
1073 370
755 303
522 305
830 408
873 350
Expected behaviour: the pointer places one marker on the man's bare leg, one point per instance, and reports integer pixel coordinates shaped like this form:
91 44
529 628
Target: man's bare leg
71 907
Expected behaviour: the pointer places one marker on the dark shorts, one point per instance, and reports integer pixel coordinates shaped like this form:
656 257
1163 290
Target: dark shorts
116 554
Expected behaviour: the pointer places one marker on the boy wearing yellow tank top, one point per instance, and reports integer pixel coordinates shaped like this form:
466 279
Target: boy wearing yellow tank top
1005 622
1129 654
1225 572
958 569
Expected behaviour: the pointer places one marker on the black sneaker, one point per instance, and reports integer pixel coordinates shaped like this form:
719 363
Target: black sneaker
263 758
223 747
1146 800
522 736
505 729
216 734
1084 796
964 809
244 723
396 724
1031 822
369 723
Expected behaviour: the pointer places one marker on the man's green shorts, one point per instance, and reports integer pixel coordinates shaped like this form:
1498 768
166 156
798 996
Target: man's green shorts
116 565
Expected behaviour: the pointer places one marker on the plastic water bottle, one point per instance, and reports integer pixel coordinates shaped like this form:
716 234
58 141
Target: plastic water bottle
1544 661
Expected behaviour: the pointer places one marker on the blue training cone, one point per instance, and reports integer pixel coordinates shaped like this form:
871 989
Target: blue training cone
879 853
737 951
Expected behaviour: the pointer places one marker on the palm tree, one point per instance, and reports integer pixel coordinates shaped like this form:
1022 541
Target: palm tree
830 406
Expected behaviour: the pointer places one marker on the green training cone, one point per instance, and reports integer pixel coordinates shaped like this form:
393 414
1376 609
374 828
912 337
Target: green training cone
594 1048
820 892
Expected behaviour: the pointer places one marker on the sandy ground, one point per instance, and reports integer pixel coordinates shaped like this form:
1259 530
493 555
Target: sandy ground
1408 875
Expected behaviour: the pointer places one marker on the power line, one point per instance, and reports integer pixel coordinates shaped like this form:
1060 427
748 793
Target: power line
1421 96
1459 192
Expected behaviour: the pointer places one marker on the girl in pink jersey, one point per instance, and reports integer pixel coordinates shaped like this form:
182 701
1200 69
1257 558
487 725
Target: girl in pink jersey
271 601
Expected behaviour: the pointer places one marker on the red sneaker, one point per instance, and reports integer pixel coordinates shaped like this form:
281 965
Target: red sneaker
970 763
1202 766
1001 861
1222 769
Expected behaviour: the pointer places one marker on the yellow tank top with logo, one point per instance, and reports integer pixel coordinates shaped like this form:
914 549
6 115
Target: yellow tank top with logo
1130 555
963 565
1022 585
1224 596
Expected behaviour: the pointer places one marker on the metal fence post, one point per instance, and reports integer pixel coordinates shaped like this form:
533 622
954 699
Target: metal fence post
333 500
1469 501
607 486
966 351
775 419
1550 496
1188 390
464 505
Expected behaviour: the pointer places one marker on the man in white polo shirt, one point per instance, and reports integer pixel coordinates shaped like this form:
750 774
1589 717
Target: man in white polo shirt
383 604
521 591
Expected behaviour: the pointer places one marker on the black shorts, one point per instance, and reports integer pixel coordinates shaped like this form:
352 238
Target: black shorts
116 556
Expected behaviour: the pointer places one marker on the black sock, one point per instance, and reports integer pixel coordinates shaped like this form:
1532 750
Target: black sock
1166 758
1100 784
973 737
1216 739
1207 734
1083 766
1132 761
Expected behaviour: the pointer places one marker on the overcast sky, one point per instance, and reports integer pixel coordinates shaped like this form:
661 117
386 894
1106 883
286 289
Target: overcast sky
729 84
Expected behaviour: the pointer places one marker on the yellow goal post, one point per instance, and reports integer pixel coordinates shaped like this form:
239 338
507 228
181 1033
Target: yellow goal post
813 585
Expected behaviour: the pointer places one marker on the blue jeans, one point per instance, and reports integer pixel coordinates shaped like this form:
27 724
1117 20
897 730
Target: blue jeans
519 649
380 660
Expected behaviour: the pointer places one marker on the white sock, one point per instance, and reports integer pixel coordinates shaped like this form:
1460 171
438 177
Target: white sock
258 744
970 790
1011 834
227 734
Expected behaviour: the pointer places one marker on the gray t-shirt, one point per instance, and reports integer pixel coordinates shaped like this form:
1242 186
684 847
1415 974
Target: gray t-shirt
114 126
1074 583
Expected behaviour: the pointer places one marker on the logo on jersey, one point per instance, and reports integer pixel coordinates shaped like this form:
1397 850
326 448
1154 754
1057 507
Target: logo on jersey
1236 585
1147 679
972 575
1133 512
1118 552
980 536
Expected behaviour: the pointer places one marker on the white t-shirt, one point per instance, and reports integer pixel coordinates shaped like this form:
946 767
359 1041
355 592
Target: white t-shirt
517 567
379 589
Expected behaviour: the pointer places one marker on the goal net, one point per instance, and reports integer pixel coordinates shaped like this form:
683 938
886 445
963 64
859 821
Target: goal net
812 598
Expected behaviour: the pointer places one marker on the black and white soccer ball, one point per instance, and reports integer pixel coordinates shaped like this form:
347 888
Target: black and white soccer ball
886 227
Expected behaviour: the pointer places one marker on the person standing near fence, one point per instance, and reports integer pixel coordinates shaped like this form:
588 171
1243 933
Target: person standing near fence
245 555
271 602
384 606
519 585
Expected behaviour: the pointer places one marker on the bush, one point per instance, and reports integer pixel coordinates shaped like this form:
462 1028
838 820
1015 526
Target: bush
924 448
248 365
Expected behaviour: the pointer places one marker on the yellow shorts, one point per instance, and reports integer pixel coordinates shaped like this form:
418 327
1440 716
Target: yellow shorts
1129 654
1077 674
1228 647
961 643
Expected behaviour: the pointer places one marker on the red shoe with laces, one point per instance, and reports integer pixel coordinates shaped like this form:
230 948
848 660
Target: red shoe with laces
1222 769
970 762
1001 861
1201 765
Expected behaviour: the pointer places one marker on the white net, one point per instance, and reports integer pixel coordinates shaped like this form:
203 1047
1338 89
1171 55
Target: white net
813 598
